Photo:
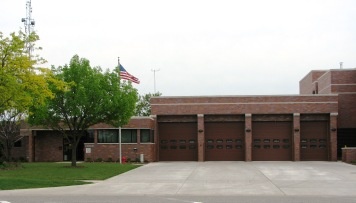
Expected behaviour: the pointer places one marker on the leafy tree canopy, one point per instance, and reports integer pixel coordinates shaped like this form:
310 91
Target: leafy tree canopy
143 106
92 96
21 84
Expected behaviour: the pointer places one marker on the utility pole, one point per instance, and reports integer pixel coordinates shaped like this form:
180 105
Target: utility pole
29 25
154 78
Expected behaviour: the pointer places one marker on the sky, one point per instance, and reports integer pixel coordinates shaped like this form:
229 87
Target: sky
197 47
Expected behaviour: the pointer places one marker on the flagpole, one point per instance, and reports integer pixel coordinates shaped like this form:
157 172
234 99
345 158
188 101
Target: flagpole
120 149
120 152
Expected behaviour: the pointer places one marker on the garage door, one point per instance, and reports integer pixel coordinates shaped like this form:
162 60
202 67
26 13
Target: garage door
313 141
272 141
224 141
178 141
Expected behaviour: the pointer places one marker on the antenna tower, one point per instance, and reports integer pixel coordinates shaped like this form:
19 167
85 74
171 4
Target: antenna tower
29 26
154 78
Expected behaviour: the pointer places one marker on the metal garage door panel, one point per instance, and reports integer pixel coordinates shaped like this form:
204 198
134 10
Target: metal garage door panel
272 141
224 141
313 141
178 142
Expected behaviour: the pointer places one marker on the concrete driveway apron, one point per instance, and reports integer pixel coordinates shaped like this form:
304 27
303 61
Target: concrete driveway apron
221 178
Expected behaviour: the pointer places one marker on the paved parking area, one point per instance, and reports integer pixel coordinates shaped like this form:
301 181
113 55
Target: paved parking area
221 178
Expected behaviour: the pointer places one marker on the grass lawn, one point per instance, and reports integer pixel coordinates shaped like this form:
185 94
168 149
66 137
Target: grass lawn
38 175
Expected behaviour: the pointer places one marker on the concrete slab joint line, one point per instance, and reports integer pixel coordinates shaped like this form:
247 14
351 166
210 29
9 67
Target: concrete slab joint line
186 179
269 180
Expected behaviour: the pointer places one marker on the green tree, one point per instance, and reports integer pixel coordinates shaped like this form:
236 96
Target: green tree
92 97
22 85
143 105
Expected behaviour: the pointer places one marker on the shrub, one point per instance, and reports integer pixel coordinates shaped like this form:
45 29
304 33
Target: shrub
109 160
99 160
88 159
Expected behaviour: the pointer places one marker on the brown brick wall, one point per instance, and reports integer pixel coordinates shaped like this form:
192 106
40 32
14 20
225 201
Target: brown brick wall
106 151
346 88
333 137
347 111
135 122
48 147
296 137
344 76
201 138
21 152
242 105
349 154
248 137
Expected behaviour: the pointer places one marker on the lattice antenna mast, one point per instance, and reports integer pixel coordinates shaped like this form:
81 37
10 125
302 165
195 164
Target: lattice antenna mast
29 26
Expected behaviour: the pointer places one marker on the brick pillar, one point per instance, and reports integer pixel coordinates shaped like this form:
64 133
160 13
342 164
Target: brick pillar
155 138
30 147
333 137
201 138
138 136
248 137
96 136
296 137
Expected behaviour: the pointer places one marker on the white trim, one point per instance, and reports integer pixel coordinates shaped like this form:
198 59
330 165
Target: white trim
254 103
231 96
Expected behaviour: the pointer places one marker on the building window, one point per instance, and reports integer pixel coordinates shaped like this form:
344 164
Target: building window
108 136
90 136
146 136
129 136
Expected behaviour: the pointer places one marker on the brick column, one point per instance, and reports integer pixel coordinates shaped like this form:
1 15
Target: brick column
155 138
333 137
138 132
201 138
96 136
30 147
248 137
296 137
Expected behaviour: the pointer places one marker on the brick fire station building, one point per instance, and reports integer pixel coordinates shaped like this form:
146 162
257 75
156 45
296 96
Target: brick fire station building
313 125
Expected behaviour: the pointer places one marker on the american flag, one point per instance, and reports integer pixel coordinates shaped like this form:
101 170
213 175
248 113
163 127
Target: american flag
127 76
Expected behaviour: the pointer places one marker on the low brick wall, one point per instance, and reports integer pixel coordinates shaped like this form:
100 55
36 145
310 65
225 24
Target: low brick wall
107 152
349 154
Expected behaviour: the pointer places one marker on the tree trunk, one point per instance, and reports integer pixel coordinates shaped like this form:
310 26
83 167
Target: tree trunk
74 154
8 148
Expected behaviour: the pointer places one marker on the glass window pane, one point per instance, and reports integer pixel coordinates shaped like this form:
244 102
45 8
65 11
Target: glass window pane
108 136
90 136
145 135
129 136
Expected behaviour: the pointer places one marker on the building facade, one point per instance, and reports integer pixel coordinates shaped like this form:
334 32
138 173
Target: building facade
313 125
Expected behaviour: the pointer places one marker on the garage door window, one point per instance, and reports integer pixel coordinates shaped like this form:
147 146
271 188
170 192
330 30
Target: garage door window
257 146
238 146
238 141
